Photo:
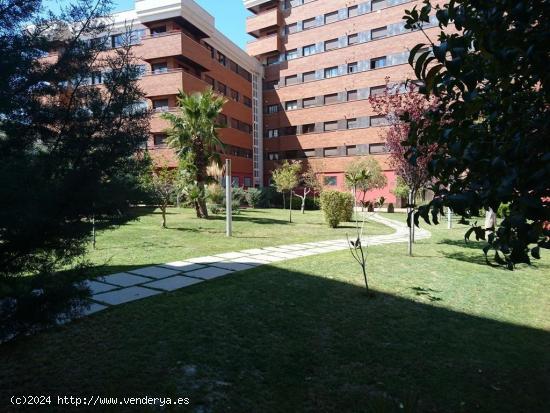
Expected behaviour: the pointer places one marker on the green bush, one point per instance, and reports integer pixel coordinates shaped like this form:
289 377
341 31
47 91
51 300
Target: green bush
253 197
337 207
503 210
215 194
347 207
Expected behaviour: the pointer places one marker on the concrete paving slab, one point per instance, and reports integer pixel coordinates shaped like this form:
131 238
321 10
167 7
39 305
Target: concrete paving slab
183 266
270 258
94 308
125 295
205 260
209 273
97 287
155 272
253 251
173 283
253 261
233 266
232 255
124 279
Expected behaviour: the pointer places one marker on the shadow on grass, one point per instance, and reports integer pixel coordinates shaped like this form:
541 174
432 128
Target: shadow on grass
274 340
475 245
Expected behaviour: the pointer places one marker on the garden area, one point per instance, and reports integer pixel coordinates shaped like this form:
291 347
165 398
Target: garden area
443 332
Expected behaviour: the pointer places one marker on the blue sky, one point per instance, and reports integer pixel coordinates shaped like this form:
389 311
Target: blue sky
230 15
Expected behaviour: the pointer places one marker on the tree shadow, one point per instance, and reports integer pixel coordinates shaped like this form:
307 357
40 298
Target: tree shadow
261 221
274 340
427 293
475 245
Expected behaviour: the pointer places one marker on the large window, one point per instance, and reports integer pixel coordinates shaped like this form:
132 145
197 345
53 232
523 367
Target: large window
379 120
331 17
352 95
273 133
378 62
292 28
377 90
331 44
292 54
291 105
375 148
353 39
308 102
332 98
308 128
272 109
156 31
309 76
160 105
159 140
330 152
331 72
353 67
308 50
291 80
353 11
157 68
330 181
352 123
309 23
379 33
331 126
379 4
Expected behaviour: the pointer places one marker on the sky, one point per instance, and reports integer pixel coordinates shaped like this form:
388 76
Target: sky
230 15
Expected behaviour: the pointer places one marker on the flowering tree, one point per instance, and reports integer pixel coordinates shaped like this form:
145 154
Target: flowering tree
400 104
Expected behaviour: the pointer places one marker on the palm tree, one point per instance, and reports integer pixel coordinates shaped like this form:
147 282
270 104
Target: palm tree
194 136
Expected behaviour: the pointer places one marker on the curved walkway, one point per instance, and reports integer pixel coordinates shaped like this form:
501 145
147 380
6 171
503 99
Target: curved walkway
145 282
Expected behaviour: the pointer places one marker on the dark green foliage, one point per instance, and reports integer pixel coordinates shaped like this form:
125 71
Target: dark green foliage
490 122
253 197
68 149
337 207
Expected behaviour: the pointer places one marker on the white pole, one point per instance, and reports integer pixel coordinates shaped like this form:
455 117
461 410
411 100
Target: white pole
449 218
228 199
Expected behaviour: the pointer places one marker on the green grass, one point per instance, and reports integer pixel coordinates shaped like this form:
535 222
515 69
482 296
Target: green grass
302 336
144 242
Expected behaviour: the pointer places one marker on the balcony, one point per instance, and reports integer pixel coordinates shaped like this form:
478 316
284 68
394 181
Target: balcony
175 44
270 18
162 84
264 45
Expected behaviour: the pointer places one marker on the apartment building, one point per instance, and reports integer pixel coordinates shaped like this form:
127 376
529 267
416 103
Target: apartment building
177 47
322 60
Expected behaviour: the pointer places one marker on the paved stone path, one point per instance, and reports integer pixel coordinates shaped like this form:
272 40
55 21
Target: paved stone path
145 282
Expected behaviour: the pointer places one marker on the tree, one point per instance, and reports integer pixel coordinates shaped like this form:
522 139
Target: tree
311 184
396 101
491 121
286 178
364 174
193 133
68 150
163 184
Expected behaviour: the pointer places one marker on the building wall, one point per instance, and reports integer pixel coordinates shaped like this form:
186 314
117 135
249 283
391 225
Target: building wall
356 42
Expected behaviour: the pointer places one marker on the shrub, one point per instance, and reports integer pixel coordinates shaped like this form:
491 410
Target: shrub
391 209
215 194
335 206
503 210
347 207
253 197
215 208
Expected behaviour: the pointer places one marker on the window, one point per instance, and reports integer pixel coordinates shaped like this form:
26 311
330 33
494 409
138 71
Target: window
211 49
308 128
222 88
160 105
272 60
157 68
235 181
129 38
379 120
234 95
331 126
308 102
353 67
309 153
352 95
234 123
331 17
330 152
273 133
308 50
291 80
291 105
352 123
330 180
331 44
332 98
155 31
292 54
353 39
309 76
379 33
159 139
289 130
292 28
247 181
378 4
273 156
141 70
222 120
97 78
247 101
309 23
331 72
222 59
353 11
377 90
351 150
209 80
375 148
272 109
378 62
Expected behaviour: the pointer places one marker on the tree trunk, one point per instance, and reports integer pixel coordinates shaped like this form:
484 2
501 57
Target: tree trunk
304 204
163 210
284 200
197 209
290 207
410 211
202 211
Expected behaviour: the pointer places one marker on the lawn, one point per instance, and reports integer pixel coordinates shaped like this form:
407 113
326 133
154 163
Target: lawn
301 336
143 241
